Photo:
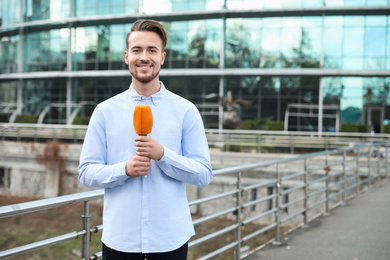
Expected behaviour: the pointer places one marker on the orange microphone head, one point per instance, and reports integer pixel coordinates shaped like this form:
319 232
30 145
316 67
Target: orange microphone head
143 120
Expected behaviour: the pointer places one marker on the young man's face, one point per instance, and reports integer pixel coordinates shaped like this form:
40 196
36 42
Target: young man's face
144 56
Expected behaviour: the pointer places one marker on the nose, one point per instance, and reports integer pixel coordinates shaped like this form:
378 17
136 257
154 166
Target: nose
144 55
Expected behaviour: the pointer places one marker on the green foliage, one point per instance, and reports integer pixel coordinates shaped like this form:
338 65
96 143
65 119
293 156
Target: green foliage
354 128
81 120
4 118
262 124
386 129
28 119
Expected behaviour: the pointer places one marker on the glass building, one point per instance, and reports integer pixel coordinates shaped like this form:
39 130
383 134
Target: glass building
311 64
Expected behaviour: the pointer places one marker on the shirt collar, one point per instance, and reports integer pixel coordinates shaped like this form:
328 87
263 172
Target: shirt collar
155 98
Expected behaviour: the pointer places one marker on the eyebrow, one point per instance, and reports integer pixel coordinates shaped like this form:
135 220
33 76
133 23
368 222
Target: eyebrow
139 47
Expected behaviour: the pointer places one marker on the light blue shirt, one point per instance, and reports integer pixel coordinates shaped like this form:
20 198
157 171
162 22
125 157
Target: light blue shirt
150 213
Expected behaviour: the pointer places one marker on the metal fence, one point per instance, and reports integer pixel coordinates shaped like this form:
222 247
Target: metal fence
314 183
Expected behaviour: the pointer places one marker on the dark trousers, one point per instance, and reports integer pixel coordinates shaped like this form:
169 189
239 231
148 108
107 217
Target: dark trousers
178 254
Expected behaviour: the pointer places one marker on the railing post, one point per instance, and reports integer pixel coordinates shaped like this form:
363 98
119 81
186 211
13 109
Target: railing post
386 161
343 179
305 194
3 133
292 141
86 226
259 143
238 217
378 165
277 206
327 169
369 168
359 181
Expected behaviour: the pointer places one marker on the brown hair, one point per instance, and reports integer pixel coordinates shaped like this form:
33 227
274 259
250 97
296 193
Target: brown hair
149 26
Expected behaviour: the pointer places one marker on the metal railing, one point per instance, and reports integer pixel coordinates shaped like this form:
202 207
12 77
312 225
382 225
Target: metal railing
314 183
228 140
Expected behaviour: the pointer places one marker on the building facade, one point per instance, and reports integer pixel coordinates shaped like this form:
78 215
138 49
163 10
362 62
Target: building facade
312 64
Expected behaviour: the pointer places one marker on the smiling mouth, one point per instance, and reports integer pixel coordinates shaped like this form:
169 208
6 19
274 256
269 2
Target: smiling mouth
144 66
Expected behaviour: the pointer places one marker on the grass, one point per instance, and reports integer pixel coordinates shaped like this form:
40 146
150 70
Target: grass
29 228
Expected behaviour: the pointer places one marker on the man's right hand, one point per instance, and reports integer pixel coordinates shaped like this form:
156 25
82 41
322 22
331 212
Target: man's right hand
138 166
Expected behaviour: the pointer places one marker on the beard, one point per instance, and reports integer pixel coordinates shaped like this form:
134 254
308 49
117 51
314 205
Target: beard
144 77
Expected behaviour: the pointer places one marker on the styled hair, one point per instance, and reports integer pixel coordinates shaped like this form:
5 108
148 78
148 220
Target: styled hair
149 26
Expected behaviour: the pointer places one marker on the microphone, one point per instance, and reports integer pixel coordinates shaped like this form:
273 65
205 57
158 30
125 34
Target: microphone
143 120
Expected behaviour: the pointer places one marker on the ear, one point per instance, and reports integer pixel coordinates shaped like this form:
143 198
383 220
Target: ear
126 57
163 57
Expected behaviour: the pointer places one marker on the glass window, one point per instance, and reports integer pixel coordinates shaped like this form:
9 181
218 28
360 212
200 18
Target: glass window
154 7
214 4
377 20
333 41
375 40
248 4
352 63
353 44
334 3
312 3
9 54
354 2
334 21
292 3
45 51
352 21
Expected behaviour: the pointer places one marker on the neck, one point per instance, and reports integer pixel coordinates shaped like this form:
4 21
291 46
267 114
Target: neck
147 89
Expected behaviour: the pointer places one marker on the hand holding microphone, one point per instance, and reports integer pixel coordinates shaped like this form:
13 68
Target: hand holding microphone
146 147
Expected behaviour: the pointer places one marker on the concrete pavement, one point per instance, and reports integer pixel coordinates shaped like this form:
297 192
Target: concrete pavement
359 230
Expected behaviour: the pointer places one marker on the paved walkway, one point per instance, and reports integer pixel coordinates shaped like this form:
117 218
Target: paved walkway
360 230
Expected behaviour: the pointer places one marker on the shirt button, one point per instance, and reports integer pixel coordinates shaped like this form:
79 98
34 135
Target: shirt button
145 224
145 176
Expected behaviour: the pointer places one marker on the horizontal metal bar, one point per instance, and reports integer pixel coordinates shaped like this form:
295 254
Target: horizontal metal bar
350 187
336 194
258 232
292 176
218 196
317 180
292 189
283 206
292 215
33 206
261 184
212 235
335 184
40 244
97 229
201 220
317 204
251 203
313 170
96 256
219 251
317 192
336 173
262 215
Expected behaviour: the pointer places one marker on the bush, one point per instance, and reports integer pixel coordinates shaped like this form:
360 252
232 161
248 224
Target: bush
262 124
81 120
386 129
4 118
28 119
354 128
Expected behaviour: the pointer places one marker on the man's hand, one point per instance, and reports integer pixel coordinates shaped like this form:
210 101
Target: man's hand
148 147
138 166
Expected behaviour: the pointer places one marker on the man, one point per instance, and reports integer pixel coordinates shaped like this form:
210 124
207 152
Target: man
146 213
